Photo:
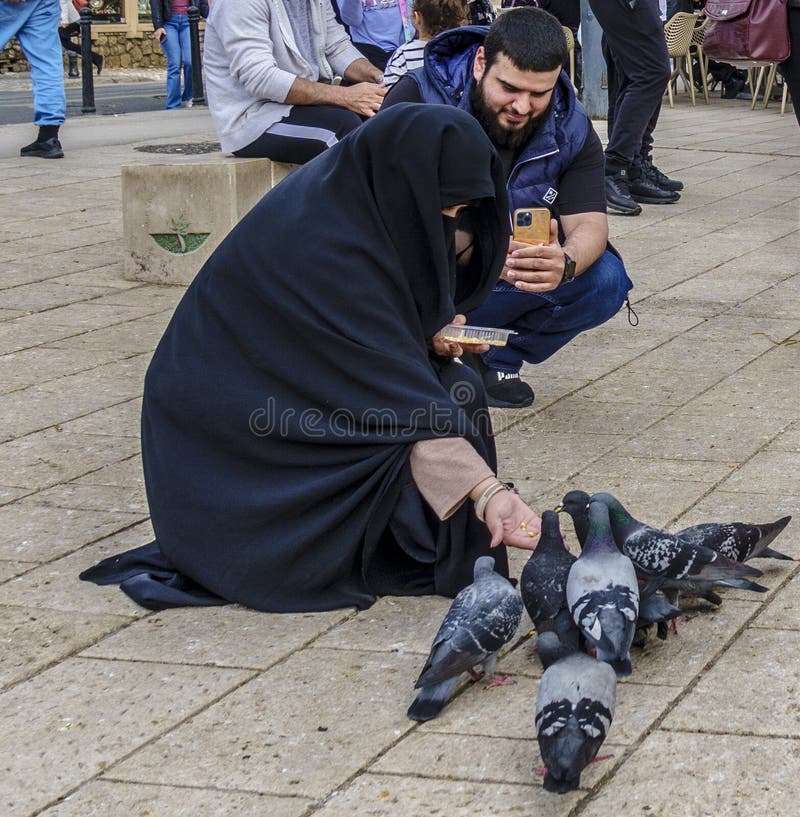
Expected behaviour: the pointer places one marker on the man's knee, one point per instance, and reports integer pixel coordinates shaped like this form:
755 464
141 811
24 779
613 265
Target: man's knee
606 286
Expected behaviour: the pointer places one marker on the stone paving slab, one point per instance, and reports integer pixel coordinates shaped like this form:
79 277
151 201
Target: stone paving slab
43 637
712 434
686 775
55 586
73 721
282 745
481 759
768 659
38 533
783 612
229 636
103 798
120 420
396 796
47 458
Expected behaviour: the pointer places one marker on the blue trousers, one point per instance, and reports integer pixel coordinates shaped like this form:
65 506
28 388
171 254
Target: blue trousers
35 24
178 48
546 321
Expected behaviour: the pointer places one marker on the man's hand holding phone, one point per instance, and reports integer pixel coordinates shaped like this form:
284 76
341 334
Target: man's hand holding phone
534 267
159 34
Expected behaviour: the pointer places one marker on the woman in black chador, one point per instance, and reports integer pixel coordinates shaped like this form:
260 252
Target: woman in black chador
309 441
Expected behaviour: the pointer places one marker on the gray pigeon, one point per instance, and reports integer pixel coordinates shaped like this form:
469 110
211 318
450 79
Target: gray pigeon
482 618
655 609
574 708
543 584
576 504
661 557
738 540
603 594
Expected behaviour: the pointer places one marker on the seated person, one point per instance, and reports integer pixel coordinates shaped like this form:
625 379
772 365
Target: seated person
309 441
270 66
377 27
509 77
430 17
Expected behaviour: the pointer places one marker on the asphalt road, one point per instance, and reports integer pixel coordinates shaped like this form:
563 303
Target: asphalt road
16 106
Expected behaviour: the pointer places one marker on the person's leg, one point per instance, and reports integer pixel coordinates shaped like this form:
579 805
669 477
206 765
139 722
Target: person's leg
38 37
186 57
790 68
544 322
306 132
172 48
636 39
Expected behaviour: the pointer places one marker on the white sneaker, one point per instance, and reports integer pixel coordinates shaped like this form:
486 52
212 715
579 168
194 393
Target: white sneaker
186 104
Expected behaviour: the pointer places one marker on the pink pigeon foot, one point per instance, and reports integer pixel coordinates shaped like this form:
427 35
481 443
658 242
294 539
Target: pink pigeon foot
500 681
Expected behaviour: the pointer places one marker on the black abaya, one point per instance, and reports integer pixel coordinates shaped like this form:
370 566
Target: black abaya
282 403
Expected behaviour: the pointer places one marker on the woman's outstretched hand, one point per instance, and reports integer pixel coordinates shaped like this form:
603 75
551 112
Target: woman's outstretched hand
510 520
449 348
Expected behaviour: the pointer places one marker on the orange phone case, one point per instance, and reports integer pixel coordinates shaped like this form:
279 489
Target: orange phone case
532 225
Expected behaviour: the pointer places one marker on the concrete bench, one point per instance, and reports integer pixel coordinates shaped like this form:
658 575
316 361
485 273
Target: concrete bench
177 209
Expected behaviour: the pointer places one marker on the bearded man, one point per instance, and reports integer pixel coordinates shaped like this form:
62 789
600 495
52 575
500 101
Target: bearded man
509 77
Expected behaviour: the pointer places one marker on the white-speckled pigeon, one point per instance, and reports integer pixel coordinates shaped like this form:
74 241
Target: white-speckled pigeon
482 618
576 504
603 593
662 557
543 584
574 708
738 540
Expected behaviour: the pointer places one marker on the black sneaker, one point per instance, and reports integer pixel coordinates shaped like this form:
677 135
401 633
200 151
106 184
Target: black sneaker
661 179
503 389
49 149
646 191
618 195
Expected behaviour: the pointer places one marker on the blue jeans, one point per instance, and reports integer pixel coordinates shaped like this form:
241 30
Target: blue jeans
178 48
546 321
35 25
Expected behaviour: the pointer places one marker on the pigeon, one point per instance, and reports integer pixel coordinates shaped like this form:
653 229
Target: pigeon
603 593
574 709
482 618
661 556
576 504
543 584
737 540
655 609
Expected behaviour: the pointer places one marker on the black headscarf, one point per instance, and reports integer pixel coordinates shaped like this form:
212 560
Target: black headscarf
283 400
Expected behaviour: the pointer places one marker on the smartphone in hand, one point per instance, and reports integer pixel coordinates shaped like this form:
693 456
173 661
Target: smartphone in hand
531 225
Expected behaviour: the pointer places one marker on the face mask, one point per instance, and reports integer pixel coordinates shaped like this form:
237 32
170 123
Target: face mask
449 228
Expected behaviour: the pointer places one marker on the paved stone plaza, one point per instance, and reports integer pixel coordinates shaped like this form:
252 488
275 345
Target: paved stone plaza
108 710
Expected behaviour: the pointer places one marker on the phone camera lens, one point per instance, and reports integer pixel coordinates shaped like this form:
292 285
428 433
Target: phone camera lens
524 219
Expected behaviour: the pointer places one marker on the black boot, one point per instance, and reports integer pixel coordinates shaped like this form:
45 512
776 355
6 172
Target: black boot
97 62
73 64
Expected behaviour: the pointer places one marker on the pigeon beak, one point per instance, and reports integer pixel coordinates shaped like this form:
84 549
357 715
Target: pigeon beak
558 508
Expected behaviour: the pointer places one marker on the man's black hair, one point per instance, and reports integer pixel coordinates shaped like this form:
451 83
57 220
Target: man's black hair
530 37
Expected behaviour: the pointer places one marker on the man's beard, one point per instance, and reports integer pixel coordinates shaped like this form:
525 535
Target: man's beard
499 136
